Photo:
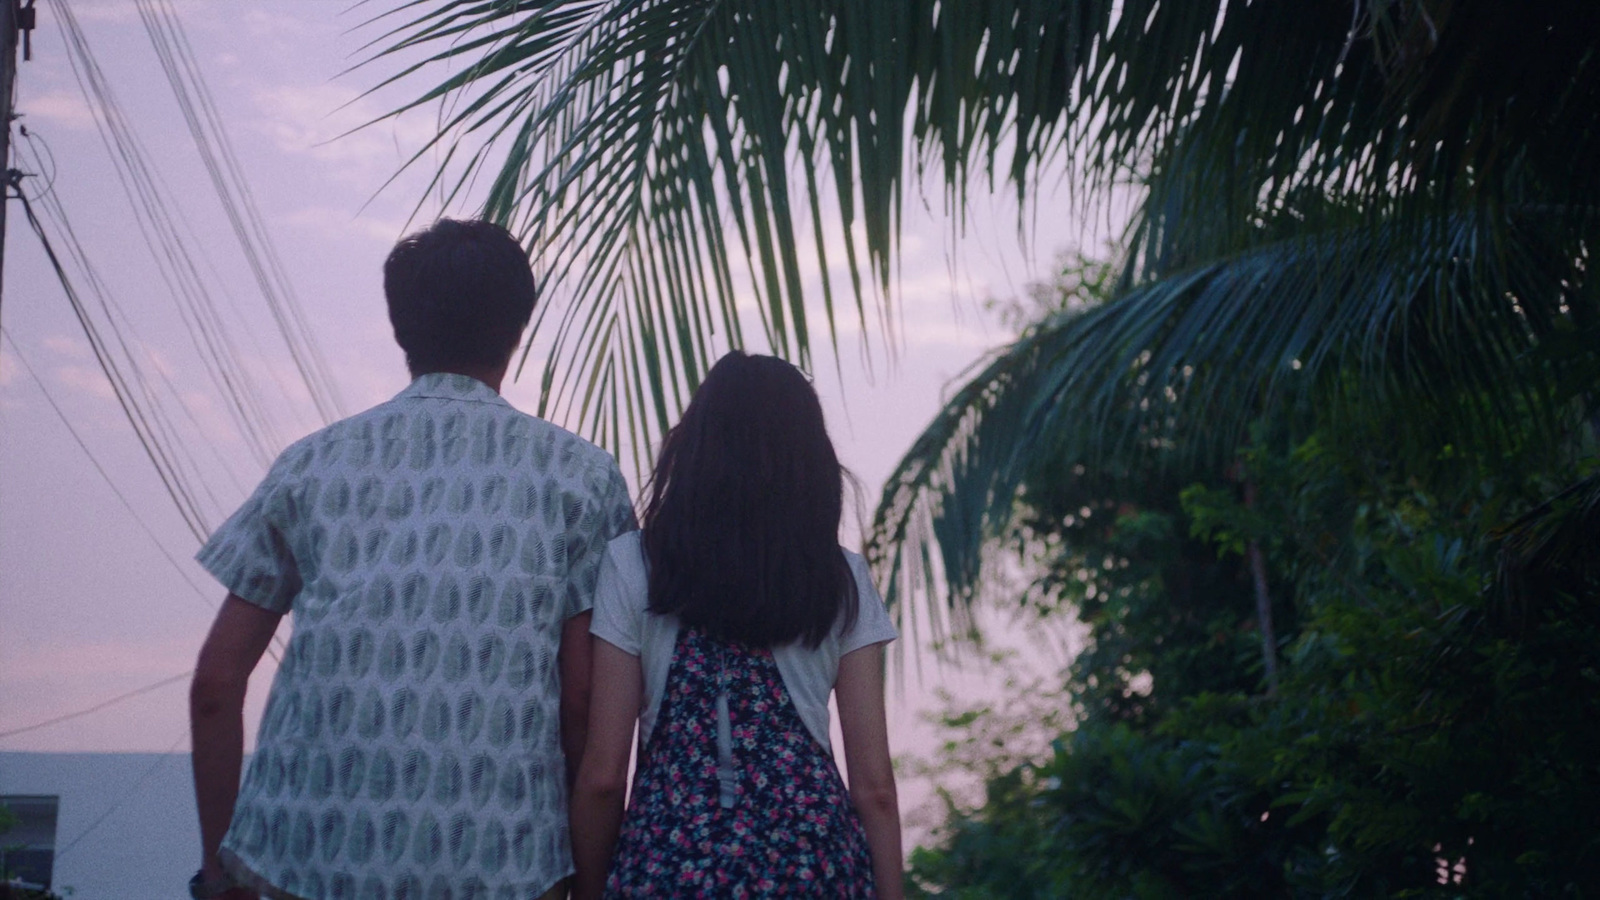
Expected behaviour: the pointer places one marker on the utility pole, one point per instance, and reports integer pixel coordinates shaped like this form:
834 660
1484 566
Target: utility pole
16 20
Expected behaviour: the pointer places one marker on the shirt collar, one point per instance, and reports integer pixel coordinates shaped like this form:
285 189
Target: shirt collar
451 386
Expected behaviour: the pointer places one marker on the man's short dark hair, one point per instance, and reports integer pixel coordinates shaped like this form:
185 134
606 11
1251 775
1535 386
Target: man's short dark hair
460 293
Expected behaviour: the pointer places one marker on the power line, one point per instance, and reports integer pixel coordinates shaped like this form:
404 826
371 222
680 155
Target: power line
141 427
43 389
97 707
153 448
161 760
160 226
122 327
28 367
233 190
150 426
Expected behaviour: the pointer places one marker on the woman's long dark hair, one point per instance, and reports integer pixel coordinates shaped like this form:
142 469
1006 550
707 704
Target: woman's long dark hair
742 527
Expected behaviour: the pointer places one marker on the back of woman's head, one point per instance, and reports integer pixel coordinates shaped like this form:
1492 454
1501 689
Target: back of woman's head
742 526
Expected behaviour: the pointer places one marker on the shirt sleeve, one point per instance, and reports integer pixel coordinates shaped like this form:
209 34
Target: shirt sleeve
250 553
619 601
872 625
618 505
609 514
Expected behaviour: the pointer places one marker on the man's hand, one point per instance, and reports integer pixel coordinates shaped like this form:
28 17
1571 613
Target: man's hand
212 873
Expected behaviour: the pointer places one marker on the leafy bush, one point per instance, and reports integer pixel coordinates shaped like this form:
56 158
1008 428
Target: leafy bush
1433 734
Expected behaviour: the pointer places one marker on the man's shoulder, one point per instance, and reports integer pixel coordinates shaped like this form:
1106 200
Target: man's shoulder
299 455
573 452
357 425
367 425
519 440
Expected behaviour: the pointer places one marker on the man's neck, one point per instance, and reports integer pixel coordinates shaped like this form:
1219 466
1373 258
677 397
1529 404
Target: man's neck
489 375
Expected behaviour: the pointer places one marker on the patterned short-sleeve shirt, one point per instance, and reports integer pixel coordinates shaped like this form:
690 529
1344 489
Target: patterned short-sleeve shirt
430 549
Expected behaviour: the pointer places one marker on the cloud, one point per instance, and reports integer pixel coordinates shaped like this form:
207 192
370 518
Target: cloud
337 127
88 379
338 222
58 107
70 347
266 22
126 12
117 661
108 11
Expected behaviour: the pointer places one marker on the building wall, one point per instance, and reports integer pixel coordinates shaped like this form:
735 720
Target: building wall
126 826
28 844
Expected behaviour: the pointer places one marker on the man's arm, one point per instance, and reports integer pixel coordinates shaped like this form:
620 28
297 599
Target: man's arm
238 637
574 660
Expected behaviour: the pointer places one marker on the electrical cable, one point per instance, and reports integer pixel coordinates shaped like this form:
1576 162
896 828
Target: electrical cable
160 227
97 707
160 760
122 498
122 328
158 455
205 123
205 598
169 478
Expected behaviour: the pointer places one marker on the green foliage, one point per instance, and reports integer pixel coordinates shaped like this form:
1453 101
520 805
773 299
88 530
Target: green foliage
1348 373
1130 816
1323 234
1320 180
1427 739
1354 329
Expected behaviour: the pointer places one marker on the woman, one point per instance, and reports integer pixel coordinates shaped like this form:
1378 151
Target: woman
723 626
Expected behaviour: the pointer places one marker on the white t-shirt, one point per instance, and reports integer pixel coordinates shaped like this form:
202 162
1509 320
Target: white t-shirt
622 619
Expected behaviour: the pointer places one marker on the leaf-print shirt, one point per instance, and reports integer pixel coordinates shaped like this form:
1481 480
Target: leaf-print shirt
430 550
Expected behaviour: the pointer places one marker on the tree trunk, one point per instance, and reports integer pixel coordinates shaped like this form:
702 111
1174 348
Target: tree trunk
1258 575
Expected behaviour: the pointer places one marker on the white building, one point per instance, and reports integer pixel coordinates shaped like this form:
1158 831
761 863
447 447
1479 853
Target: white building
104 826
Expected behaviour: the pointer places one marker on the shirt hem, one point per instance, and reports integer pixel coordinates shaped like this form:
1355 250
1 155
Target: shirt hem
247 877
223 578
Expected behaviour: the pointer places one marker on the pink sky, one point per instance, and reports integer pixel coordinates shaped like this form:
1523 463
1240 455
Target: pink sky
91 607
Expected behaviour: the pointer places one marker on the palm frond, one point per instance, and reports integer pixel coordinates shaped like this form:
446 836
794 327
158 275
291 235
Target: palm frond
1393 193
624 136
1168 377
1550 550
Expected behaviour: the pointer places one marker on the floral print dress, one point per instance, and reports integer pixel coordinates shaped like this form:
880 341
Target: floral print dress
733 797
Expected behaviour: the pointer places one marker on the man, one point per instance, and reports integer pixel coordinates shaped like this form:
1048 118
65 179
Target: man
439 553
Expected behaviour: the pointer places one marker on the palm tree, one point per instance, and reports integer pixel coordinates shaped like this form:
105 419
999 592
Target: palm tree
1354 202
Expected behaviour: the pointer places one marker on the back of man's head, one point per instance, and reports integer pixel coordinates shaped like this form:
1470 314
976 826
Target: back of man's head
459 293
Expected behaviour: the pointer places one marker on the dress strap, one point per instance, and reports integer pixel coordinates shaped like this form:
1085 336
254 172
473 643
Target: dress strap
727 778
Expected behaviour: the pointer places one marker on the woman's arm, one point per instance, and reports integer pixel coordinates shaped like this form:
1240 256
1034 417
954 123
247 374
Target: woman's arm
866 757
597 798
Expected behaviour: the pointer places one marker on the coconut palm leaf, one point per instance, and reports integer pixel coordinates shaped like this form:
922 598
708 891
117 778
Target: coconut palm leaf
622 137
1549 550
1167 378
1390 190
